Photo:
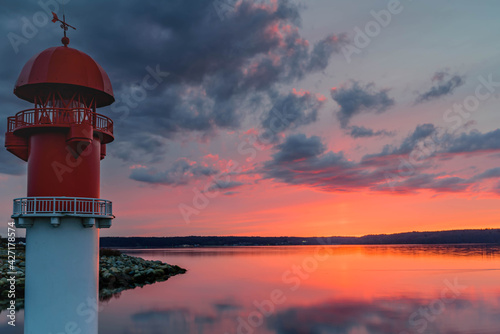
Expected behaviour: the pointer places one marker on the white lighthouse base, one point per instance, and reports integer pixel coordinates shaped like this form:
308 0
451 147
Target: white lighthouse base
62 267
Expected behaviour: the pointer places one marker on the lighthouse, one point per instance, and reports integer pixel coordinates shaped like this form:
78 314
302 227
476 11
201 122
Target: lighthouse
63 139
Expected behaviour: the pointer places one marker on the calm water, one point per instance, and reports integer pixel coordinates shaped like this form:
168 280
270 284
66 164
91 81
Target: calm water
308 289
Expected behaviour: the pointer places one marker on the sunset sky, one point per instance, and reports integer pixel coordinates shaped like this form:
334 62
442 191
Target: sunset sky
272 118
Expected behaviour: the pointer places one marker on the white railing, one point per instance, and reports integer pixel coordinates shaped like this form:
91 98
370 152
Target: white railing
49 116
60 205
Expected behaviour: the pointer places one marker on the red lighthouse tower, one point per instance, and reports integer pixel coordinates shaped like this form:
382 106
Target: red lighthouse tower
63 139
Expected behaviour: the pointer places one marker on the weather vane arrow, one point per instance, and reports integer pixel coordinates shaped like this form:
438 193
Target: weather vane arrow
64 26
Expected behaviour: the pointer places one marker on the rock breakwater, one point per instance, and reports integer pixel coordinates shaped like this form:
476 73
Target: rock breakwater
117 272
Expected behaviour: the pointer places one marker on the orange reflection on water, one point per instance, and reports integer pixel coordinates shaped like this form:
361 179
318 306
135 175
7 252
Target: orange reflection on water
354 289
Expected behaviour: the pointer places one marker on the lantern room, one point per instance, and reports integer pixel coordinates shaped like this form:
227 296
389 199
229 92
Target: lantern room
66 86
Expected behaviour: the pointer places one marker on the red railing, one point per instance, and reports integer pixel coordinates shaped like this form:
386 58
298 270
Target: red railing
59 117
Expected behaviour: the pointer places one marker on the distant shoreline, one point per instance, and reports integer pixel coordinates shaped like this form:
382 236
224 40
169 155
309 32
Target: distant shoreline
462 237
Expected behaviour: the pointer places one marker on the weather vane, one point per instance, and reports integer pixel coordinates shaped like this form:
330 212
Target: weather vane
64 26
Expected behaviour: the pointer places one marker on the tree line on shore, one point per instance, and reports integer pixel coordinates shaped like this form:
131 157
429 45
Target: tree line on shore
483 236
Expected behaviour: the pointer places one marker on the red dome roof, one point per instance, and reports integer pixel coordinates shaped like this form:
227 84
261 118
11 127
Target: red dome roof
66 69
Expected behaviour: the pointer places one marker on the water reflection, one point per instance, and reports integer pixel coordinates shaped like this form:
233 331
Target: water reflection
484 250
356 290
450 289
439 250
380 316
389 316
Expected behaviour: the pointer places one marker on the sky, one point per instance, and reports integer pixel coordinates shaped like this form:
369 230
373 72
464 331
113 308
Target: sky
282 118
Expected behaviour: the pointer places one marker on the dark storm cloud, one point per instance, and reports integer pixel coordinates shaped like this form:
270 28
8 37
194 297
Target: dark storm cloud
489 174
435 182
323 50
147 148
475 141
429 141
300 160
422 131
289 112
298 147
410 142
357 99
362 132
231 193
181 172
214 66
442 88
225 185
